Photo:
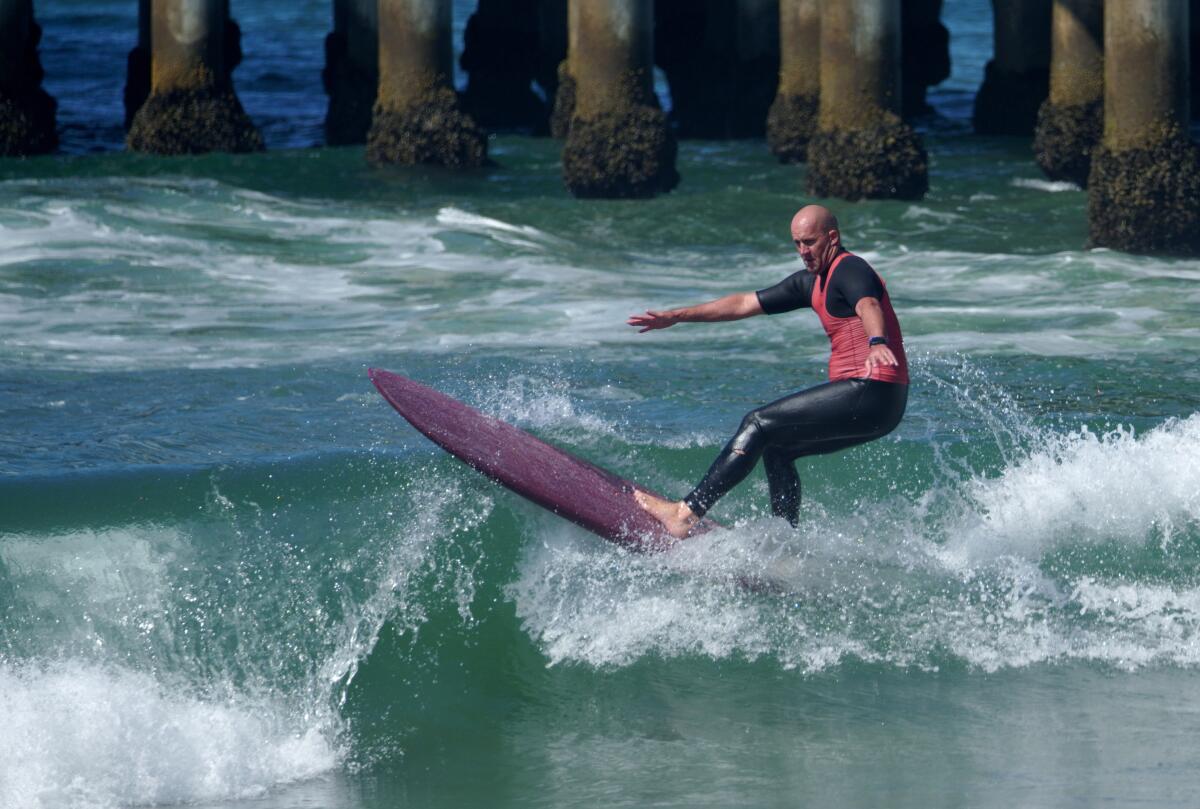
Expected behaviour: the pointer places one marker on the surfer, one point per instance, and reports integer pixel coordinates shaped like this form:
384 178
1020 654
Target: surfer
864 398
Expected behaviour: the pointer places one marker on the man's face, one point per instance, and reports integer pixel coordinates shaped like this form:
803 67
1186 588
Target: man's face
816 246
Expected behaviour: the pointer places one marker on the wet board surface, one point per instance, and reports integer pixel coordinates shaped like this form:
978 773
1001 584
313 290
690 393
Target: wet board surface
556 480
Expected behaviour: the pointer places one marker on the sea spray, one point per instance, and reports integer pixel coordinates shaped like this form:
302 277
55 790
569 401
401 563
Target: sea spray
210 658
1085 487
991 566
98 736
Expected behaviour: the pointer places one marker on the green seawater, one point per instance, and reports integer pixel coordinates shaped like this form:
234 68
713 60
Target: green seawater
232 576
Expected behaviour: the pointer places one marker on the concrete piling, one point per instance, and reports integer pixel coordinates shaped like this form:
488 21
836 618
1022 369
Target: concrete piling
619 144
792 119
925 55
351 74
417 117
27 112
1071 121
137 66
564 100
1194 50
1017 79
862 148
553 67
500 57
1144 186
192 107
721 59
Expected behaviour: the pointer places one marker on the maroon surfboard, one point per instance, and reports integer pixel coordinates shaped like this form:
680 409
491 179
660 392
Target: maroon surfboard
556 480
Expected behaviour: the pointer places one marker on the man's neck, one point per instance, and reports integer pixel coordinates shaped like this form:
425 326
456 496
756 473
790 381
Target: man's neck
832 260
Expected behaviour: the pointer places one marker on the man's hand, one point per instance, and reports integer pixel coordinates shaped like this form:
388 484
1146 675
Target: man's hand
652 320
879 355
871 314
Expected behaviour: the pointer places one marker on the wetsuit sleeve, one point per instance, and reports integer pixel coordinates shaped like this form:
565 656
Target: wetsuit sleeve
793 292
853 281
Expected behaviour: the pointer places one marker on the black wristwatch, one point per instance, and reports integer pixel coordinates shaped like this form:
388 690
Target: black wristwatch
877 341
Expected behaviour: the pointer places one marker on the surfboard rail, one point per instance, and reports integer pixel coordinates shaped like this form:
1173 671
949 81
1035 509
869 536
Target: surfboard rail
558 481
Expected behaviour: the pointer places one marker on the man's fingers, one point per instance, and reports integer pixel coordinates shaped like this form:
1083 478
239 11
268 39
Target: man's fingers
880 355
650 321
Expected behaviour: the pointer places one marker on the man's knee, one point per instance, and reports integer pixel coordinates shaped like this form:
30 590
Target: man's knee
749 435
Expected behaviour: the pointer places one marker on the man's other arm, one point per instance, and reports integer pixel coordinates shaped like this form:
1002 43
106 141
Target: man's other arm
737 306
871 314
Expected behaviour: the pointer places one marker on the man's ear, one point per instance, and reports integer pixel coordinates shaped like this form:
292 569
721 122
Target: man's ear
835 236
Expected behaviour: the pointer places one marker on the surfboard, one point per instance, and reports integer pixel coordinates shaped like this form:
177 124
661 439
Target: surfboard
556 480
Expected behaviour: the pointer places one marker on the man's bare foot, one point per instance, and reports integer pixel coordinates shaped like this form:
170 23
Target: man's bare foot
676 517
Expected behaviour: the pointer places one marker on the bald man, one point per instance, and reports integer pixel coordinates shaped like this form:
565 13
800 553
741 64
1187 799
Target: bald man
864 398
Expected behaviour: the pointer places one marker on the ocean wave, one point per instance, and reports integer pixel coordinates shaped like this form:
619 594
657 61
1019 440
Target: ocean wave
171 272
899 585
209 656
99 737
1086 485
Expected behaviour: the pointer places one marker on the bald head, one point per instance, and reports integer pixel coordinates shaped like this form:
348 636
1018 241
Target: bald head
816 236
817 216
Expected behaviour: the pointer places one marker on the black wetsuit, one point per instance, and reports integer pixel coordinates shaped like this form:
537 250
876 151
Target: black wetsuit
828 417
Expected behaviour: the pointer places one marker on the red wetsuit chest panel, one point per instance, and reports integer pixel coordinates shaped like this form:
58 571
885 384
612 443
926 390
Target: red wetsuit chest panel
848 339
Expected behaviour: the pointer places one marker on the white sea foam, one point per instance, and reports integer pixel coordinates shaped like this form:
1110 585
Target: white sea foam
149 273
520 235
702 599
914 212
1086 486
84 736
135 671
1053 186
896 585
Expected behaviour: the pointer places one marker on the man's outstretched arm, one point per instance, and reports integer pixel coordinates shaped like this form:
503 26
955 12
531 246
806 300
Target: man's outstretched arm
732 307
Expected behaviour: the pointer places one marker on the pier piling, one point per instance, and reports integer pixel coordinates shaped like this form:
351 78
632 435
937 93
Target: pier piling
417 117
27 112
1144 186
351 74
721 59
925 55
500 57
1071 121
1194 51
1017 79
192 107
792 119
862 148
553 69
137 66
564 100
619 144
